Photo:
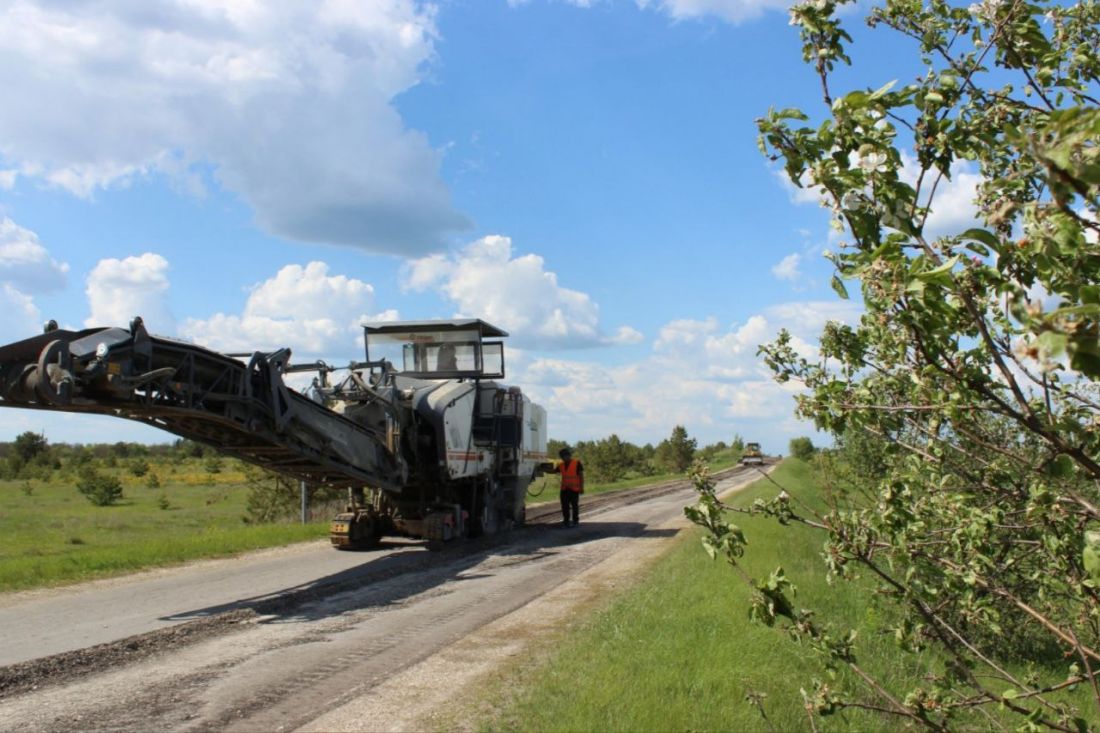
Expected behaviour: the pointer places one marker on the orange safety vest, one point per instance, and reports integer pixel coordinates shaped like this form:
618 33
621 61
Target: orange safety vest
570 478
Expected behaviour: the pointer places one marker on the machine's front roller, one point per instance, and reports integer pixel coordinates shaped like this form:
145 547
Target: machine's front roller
358 529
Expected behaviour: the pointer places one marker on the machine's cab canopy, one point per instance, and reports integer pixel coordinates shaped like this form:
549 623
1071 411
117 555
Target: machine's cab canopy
437 349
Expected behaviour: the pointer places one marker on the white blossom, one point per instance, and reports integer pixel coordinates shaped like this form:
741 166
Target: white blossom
872 161
851 201
986 9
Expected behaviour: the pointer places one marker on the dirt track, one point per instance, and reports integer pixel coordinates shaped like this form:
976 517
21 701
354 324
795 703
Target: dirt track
383 646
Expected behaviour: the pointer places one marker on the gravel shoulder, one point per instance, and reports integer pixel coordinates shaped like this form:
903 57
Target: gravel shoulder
445 690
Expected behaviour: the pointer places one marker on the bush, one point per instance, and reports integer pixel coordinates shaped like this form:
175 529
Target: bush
802 448
139 467
100 489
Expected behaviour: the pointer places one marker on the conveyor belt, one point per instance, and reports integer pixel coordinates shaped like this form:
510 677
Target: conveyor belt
242 409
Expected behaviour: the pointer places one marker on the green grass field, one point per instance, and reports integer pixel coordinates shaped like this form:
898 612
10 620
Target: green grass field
677 651
53 535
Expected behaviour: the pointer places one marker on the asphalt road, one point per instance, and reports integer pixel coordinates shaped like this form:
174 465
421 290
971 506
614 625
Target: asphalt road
376 616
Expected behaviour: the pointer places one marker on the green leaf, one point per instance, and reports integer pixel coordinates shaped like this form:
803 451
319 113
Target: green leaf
1090 294
883 89
981 235
838 287
1062 466
940 275
1052 343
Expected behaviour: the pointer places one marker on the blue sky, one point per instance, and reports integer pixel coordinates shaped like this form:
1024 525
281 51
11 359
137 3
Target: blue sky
585 175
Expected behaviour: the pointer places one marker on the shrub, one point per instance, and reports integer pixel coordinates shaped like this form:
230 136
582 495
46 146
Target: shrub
802 448
100 489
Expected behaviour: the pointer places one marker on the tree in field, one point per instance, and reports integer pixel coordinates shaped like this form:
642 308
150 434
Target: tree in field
972 377
802 448
677 451
99 488
29 446
30 457
606 460
139 467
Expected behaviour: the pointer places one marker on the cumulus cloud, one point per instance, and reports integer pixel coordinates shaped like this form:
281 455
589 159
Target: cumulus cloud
304 308
289 103
787 268
733 11
518 294
25 263
953 208
700 373
26 269
118 290
22 318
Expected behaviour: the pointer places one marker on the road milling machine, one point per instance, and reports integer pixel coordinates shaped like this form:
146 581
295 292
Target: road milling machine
426 440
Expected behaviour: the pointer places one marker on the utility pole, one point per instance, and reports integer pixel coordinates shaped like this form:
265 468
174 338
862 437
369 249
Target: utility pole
305 502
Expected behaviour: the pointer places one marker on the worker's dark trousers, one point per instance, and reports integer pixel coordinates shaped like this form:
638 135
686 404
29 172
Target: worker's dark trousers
570 506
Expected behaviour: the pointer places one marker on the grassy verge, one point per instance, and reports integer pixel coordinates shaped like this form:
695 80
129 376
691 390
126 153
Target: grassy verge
52 535
677 651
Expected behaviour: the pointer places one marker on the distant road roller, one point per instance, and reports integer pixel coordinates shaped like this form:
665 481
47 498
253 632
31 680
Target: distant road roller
752 455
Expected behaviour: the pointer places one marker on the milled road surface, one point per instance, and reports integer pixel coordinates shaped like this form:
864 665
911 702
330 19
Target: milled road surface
364 630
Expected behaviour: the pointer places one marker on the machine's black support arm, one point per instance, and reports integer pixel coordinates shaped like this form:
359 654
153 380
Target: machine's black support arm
244 410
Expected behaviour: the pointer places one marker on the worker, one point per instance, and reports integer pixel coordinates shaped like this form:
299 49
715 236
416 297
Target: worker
572 486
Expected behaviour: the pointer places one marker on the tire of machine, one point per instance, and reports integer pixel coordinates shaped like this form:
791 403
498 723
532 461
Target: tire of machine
487 516
365 532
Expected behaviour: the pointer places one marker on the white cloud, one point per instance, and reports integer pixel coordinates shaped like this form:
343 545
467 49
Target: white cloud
733 11
518 294
700 375
1091 235
683 333
21 317
807 193
25 263
118 290
305 308
787 268
289 103
810 316
627 335
26 269
953 208
7 179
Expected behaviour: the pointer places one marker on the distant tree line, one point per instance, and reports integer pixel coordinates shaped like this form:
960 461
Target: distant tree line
99 470
32 457
613 459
